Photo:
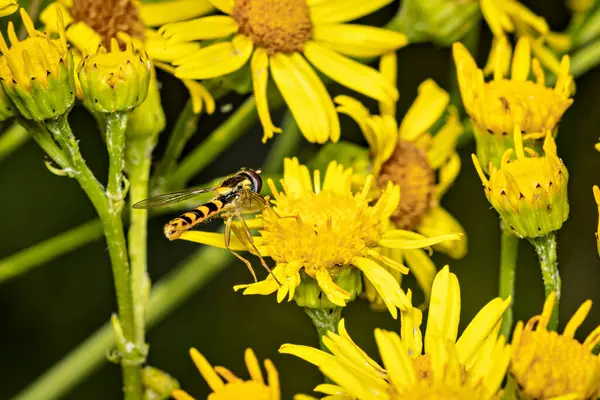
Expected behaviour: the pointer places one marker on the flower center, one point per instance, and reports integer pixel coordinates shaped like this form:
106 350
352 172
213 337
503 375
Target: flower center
331 229
424 371
280 26
250 390
549 365
409 168
108 17
534 107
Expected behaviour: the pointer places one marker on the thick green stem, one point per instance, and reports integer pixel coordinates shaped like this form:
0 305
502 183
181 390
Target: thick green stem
116 124
325 320
508 262
39 254
109 209
166 295
186 125
219 140
12 139
545 247
139 162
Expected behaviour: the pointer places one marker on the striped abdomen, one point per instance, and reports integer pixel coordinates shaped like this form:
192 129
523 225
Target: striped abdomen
185 221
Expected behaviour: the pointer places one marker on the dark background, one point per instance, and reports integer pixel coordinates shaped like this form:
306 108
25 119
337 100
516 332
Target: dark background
53 308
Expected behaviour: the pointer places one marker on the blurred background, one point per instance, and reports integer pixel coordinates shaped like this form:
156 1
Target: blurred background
50 310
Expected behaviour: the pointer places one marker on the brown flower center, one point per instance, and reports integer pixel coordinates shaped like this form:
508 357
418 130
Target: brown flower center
280 26
409 168
108 17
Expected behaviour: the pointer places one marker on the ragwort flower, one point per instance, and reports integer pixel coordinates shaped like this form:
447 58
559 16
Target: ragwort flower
279 36
497 106
529 193
8 7
413 156
234 387
471 367
91 23
321 234
549 365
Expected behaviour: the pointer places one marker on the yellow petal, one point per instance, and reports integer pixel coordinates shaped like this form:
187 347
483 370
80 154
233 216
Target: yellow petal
8 7
225 6
198 93
333 11
399 239
160 13
427 108
546 56
211 27
335 294
396 360
410 329
350 73
207 371
359 40
577 319
253 366
267 286
360 114
388 67
272 380
444 309
479 328
159 50
524 15
385 284
495 18
443 145
521 60
214 239
498 61
448 174
437 221
215 60
49 16
259 66
423 268
306 96
83 37
181 395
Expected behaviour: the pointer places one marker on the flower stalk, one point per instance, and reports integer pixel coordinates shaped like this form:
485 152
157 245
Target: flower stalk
509 247
325 320
545 247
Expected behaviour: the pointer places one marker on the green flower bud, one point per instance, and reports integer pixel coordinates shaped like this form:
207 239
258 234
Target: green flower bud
309 294
158 384
115 80
37 73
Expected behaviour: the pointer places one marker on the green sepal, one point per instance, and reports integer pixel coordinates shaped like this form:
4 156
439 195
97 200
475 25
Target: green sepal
309 294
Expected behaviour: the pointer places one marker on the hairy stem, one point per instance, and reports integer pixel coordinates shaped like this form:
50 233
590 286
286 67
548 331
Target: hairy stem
509 247
12 139
545 247
325 320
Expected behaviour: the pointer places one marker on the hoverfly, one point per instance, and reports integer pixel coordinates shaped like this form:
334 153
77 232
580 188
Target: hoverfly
237 195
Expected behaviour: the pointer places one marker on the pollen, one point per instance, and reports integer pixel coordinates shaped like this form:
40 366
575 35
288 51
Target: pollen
409 168
535 108
327 229
109 17
278 26
549 365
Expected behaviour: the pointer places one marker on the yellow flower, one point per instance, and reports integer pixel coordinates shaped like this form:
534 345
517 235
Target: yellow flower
529 193
412 156
91 23
319 231
8 7
279 36
37 73
497 106
597 198
235 388
471 367
548 365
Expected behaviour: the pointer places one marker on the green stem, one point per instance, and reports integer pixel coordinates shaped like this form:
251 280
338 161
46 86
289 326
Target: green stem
116 124
109 210
508 262
41 253
325 320
166 296
545 247
12 139
585 59
219 140
43 138
284 146
186 125
139 163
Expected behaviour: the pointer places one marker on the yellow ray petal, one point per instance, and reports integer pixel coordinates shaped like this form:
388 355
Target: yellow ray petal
211 27
164 12
158 49
410 329
396 360
423 268
350 73
83 37
272 380
253 366
8 7
178 394
444 142
49 16
448 174
521 60
215 60
259 66
306 96
207 371
444 309
225 6
427 108
399 239
217 240
198 93
333 11
335 294
388 67
359 40
437 221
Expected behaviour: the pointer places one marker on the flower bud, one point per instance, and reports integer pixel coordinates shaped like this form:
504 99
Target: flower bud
149 118
115 80
309 294
37 73
529 193
158 384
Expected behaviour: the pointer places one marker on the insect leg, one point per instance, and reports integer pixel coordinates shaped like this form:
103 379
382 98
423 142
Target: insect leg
249 236
227 241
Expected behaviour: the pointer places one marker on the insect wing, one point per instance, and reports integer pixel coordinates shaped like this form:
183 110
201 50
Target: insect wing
172 198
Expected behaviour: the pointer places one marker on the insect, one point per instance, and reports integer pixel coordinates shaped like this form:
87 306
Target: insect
237 195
